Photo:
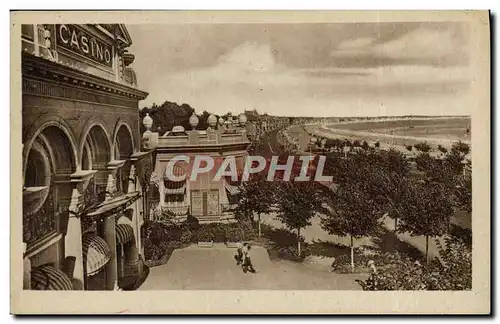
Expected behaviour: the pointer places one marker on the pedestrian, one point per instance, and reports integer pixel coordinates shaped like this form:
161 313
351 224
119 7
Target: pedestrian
239 255
247 260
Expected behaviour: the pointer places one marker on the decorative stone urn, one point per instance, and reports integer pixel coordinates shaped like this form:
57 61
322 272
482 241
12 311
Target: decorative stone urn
147 122
193 120
212 121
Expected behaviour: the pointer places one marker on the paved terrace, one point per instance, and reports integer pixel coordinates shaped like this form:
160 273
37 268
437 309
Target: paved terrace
215 268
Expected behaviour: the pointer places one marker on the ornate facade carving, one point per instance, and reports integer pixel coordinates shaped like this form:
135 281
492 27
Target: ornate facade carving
40 68
40 223
40 88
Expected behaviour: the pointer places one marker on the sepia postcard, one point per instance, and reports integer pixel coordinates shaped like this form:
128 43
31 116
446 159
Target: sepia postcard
250 162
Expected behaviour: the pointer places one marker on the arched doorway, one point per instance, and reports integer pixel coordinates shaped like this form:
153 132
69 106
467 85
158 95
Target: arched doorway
96 151
124 145
45 202
96 154
124 148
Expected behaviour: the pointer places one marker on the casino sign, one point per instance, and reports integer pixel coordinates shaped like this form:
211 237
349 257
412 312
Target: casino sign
76 40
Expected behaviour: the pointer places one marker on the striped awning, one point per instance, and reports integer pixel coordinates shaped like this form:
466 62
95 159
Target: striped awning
232 189
47 277
178 170
114 205
176 191
96 253
124 233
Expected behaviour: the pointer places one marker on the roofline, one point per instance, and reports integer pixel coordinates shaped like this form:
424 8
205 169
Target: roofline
124 29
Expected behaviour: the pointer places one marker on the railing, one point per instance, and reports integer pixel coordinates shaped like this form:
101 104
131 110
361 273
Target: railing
40 223
195 138
175 210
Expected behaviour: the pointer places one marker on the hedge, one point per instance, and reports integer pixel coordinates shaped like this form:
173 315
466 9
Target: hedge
159 237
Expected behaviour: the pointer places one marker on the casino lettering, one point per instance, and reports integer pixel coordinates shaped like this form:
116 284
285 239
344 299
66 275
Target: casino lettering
76 40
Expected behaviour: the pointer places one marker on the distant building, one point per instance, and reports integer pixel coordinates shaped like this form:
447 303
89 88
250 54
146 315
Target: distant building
84 174
205 199
252 116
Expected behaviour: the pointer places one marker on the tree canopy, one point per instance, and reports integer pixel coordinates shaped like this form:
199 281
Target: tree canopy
170 114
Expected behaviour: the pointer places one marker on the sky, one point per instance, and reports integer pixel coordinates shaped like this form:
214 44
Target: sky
308 69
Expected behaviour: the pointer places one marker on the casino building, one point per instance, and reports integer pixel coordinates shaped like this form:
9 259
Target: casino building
208 199
85 178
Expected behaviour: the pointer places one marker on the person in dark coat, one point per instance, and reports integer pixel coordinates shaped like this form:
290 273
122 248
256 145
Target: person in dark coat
247 260
239 256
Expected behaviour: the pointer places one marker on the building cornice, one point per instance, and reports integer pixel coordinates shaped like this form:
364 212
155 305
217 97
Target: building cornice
40 66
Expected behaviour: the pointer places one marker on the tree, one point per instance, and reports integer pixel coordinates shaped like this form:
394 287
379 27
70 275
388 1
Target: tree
456 157
170 114
461 147
442 149
427 211
353 203
422 147
256 196
298 202
433 169
203 120
463 193
352 214
388 181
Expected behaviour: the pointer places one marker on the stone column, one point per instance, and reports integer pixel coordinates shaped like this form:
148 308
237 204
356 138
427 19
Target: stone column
73 241
107 231
132 255
73 236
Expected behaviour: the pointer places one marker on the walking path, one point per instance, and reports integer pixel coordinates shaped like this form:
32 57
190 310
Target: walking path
215 268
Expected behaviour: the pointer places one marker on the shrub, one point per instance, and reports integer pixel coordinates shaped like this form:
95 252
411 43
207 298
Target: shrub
222 233
343 262
153 252
451 271
186 236
192 223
